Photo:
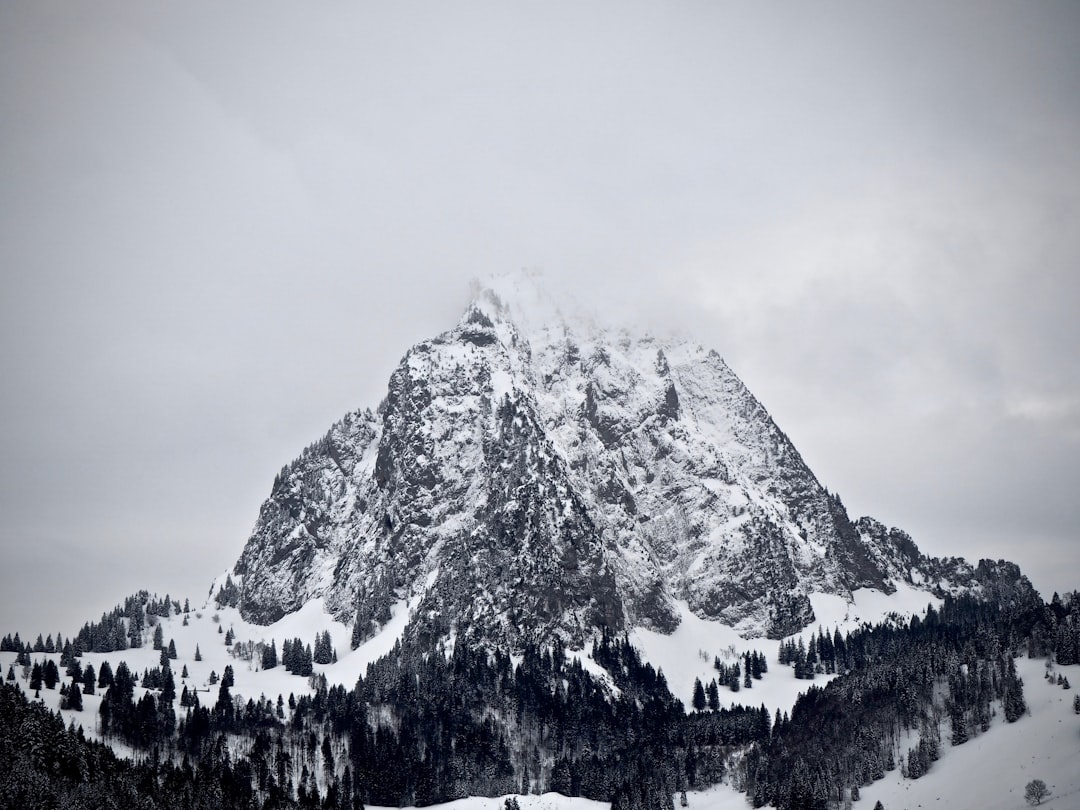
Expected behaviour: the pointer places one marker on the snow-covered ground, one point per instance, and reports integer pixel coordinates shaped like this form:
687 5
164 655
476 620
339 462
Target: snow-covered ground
548 801
988 772
688 652
251 680
684 655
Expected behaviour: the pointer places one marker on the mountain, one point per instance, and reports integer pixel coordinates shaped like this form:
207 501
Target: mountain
560 548
533 475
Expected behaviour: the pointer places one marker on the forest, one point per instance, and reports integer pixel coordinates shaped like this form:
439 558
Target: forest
429 723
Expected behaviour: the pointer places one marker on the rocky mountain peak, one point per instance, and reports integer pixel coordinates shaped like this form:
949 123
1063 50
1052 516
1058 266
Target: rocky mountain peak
532 475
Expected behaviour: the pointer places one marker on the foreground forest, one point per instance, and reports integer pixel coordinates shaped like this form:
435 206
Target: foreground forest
429 725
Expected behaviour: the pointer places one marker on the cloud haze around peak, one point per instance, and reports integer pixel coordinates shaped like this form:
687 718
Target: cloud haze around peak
221 227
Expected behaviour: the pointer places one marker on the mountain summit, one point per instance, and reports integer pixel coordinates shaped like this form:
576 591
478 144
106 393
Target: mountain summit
532 475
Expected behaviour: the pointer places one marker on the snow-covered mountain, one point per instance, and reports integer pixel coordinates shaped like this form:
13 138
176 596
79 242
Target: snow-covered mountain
531 474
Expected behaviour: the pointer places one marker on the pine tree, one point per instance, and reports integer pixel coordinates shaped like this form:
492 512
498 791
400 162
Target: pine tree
168 685
269 656
1014 692
88 679
959 725
698 701
35 677
159 636
324 650
74 698
172 649
50 674
198 655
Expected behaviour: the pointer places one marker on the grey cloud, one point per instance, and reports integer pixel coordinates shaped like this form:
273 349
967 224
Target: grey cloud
220 227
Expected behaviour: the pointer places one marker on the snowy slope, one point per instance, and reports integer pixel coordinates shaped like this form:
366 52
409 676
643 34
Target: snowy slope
990 771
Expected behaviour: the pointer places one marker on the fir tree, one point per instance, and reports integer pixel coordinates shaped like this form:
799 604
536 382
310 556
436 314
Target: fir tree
105 676
699 696
50 674
269 655
88 679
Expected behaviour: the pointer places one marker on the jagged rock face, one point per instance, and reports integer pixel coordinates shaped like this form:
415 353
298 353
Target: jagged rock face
528 477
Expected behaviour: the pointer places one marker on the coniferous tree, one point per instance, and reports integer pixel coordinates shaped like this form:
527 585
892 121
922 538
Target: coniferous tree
324 650
105 676
50 673
35 677
269 655
198 655
159 636
89 678
958 721
698 701
168 685
11 675
1014 692
73 699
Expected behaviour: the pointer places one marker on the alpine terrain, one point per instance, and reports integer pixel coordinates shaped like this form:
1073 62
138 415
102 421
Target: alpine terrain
559 567
531 476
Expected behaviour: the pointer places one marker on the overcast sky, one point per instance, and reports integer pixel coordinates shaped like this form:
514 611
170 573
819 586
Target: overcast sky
221 226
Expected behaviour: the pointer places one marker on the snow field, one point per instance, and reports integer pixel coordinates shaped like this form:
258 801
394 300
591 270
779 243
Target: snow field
688 652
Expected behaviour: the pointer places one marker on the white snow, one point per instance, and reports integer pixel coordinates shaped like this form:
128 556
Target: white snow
990 771
548 801
688 652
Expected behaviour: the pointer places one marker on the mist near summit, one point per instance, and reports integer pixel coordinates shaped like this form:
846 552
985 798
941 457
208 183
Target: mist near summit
222 227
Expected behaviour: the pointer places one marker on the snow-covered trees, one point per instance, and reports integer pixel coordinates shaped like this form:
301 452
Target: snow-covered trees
324 649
